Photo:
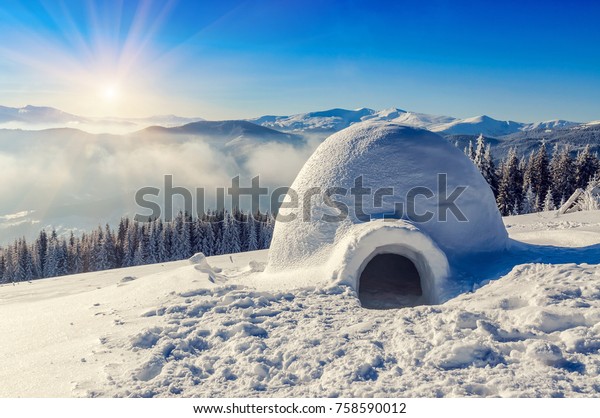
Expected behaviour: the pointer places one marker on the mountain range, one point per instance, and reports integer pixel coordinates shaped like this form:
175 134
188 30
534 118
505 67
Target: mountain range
44 117
336 119
237 137
68 171
327 121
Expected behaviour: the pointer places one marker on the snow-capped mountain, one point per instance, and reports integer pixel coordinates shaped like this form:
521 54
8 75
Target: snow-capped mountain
320 122
44 117
36 115
550 124
478 124
418 120
336 119
327 120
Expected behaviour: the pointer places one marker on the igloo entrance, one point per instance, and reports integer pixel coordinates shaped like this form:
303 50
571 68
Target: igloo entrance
389 281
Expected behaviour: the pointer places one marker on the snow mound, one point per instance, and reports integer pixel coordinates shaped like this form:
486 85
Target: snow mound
392 161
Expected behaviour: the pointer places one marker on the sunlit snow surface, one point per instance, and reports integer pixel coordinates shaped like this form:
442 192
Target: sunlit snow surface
187 329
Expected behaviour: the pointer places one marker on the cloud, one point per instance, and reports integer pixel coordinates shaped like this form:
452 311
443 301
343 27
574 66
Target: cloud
277 163
78 180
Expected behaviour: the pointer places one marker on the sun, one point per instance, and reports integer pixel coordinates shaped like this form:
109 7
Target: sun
110 92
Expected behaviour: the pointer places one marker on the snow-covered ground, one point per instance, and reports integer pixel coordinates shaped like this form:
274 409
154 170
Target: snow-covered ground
187 329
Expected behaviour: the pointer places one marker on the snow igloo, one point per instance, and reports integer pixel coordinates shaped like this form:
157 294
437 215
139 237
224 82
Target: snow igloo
386 209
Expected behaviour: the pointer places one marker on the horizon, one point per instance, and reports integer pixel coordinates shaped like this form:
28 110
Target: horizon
167 114
240 60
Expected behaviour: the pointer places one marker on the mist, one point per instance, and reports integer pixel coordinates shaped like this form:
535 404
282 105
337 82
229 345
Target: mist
71 180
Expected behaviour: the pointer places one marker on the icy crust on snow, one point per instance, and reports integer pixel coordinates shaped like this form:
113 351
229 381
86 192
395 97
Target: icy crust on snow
386 155
536 332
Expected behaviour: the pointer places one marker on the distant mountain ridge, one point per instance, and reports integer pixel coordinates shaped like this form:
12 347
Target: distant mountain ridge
44 117
323 121
37 115
336 119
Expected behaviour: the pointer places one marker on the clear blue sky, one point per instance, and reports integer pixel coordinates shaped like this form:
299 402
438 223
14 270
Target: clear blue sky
522 60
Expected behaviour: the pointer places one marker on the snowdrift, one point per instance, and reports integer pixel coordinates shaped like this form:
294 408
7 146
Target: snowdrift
398 168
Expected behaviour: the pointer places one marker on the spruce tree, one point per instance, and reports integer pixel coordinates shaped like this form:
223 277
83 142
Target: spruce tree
528 201
563 175
470 151
586 167
549 202
509 189
540 175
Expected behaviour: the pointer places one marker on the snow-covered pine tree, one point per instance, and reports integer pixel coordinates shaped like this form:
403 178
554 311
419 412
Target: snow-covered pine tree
208 239
23 266
528 176
2 265
528 201
50 266
562 174
509 188
164 249
549 202
251 242
131 243
110 248
138 255
152 252
77 259
483 160
144 243
479 154
540 174
101 259
218 226
121 238
198 236
230 242
7 275
470 151
588 200
266 231
41 248
586 167
57 263
181 238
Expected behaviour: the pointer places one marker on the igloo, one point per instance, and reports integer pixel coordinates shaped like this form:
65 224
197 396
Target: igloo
386 209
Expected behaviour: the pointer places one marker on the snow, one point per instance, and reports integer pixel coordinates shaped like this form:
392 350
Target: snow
385 155
549 125
171 330
326 120
337 119
479 125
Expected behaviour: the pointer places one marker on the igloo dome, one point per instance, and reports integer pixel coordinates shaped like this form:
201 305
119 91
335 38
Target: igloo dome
385 208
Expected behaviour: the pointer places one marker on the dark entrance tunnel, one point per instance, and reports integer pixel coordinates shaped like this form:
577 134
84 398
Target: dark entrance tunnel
390 281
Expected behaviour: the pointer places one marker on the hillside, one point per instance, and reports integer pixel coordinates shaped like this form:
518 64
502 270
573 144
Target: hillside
193 328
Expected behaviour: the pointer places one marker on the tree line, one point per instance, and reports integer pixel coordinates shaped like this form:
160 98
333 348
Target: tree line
534 183
135 243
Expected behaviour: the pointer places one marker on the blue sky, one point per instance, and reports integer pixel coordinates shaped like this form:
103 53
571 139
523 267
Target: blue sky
524 61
